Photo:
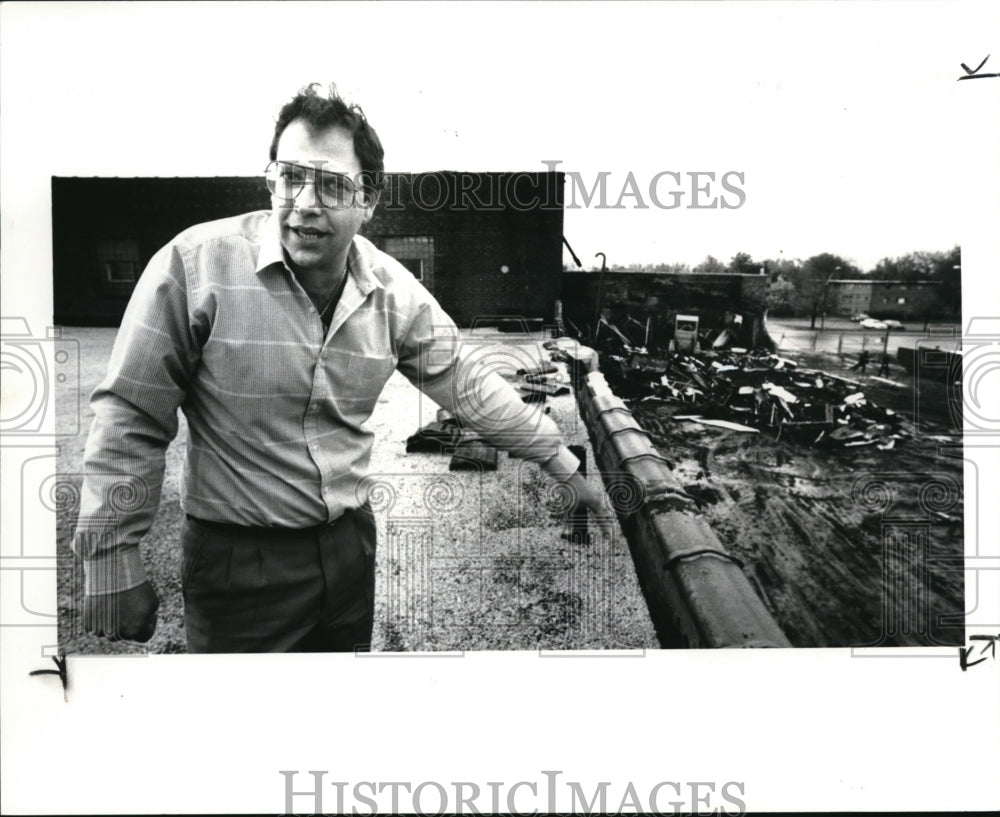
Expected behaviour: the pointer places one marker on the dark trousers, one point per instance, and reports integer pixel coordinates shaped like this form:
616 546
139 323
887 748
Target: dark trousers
266 590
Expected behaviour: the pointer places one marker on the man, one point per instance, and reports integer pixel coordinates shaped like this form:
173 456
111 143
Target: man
883 367
275 333
862 362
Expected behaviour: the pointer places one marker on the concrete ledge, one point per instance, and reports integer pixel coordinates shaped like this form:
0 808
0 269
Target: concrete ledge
697 594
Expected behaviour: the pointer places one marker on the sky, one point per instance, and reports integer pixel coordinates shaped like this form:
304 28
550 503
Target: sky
842 119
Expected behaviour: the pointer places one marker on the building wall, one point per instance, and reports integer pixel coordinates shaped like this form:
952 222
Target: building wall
714 297
497 249
459 239
886 299
850 297
893 299
144 214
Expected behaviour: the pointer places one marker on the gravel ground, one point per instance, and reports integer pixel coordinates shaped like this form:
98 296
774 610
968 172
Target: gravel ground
466 560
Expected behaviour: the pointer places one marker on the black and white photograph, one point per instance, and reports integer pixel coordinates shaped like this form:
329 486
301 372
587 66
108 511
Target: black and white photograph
431 373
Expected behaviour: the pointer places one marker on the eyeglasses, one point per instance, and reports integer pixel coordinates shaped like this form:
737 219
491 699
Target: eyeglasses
285 180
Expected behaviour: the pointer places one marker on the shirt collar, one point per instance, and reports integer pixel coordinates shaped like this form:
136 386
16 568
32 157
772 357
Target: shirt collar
271 253
359 263
270 245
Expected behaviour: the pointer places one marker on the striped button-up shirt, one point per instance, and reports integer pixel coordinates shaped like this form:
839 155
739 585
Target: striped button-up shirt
219 326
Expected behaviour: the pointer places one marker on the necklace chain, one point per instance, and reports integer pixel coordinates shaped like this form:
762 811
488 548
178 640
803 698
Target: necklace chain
322 314
333 297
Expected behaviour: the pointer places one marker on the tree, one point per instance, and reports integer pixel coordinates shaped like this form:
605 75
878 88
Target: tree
780 293
948 273
663 266
710 264
744 264
944 268
812 283
913 266
780 268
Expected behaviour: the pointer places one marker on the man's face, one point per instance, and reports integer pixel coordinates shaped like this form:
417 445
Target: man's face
316 238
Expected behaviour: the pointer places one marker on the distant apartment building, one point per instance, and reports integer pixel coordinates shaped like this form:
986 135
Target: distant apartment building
885 299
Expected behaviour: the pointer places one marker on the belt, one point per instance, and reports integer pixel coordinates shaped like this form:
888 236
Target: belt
255 532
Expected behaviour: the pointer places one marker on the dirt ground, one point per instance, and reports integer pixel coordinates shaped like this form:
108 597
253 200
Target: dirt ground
847 547
466 561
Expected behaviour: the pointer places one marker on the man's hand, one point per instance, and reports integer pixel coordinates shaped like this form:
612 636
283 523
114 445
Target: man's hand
594 501
128 615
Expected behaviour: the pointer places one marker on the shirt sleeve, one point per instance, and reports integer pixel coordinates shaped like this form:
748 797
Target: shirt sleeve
461 376
135 418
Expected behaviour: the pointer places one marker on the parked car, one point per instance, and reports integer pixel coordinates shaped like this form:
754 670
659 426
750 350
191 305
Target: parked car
872 323
893 324
861 316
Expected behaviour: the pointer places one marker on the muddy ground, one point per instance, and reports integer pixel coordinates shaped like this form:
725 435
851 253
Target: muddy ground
847 547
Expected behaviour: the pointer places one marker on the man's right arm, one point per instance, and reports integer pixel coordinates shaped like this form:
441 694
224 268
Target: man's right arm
135 418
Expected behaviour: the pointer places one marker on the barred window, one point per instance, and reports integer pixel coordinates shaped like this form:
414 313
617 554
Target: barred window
118 261
415 252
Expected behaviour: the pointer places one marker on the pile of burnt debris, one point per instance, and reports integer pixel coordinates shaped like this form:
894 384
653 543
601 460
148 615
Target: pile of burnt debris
537 383
756 390
469 451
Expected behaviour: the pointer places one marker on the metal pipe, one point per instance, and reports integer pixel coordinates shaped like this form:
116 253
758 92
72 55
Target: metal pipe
576 260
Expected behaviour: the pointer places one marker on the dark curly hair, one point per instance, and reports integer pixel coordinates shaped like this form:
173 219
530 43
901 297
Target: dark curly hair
319 113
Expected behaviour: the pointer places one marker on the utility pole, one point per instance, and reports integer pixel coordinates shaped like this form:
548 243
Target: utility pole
822 321
600 297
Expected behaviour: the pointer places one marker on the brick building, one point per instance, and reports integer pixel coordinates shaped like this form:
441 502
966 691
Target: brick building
485 244
886 299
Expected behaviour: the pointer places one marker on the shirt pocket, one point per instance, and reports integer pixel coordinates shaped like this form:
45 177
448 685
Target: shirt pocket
362 382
